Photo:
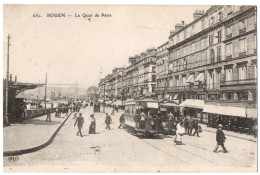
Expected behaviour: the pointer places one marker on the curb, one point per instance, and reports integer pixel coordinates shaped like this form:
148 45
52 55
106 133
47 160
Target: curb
29 150
251 140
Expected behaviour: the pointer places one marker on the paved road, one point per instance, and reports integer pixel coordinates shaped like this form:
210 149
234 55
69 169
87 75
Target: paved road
116 150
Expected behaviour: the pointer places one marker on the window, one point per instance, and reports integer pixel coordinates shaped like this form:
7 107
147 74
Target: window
219 53
229 74
185 64
212 55
177 66
177 38
212 20
242 73
228 30
229 49
220 16
185 34
193 30
242 45
219 36
203 24
242 24
184 80
210 39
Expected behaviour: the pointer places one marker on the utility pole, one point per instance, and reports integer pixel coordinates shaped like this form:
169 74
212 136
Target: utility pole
76 90
7 83
45 97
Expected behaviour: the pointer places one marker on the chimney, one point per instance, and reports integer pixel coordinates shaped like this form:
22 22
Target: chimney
143 55
151 51
137 57
131 60
197 14
15 79
10 77
178 26
172 32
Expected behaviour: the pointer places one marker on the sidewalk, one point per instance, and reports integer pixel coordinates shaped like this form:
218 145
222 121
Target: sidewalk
30 134
230 133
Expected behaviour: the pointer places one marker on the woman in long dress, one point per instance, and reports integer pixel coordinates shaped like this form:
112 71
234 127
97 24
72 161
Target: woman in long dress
92 127
179 133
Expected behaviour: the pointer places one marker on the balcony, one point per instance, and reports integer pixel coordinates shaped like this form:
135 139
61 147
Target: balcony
228 57
239 84
229 36
213 86
241 31
242 54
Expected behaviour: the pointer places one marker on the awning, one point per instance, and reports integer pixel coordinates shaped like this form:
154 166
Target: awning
224 110
117 103
129 102
175 97
170 105
200 77
190 79
251 112
193 103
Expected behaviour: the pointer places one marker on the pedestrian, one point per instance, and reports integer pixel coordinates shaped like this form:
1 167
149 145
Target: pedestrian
92 127
75 115
79 121
220 138
142 121
108 121
179 133
48 115
122 121
196 127
113 111
190 126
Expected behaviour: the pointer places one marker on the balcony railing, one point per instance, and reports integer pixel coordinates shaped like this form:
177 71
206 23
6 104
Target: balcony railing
228 57
229 36
239 82
242 30
242 54
213 86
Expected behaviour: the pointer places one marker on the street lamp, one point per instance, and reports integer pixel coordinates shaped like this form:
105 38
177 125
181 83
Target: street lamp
104 97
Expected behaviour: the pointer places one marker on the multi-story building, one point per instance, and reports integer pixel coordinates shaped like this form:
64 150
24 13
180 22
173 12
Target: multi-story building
213 58
140 76
162 71
113 83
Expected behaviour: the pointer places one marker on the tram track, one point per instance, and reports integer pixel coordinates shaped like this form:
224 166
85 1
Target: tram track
209 151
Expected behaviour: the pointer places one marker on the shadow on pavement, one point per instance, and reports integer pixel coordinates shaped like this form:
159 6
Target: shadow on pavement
41 122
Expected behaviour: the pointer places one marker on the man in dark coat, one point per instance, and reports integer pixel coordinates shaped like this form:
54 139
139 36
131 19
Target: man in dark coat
220 138
79 121
108 121
196 127
122 121
190 126
48 115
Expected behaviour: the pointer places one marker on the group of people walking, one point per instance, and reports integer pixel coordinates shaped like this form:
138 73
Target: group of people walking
92 128
186 125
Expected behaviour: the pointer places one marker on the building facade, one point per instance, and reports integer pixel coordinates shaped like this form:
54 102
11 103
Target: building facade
140 76
214 57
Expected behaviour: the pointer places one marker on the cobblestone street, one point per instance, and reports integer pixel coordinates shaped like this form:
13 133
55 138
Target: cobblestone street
116 150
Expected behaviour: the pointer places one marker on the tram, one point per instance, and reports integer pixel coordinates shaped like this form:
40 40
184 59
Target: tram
142 117
96 107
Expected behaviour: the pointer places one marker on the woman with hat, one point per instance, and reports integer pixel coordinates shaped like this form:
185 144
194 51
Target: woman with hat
92 127
220 138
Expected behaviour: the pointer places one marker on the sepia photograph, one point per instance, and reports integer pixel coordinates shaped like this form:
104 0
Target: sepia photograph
130 88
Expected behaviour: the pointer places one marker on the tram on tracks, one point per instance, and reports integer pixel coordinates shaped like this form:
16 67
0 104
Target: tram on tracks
141 117
170 114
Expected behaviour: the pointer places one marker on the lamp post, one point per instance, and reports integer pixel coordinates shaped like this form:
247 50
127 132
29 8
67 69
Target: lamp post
104 98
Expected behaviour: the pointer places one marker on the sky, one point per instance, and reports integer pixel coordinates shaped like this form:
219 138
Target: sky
73 49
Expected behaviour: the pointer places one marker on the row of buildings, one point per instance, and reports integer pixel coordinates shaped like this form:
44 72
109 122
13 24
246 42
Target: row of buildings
213 58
